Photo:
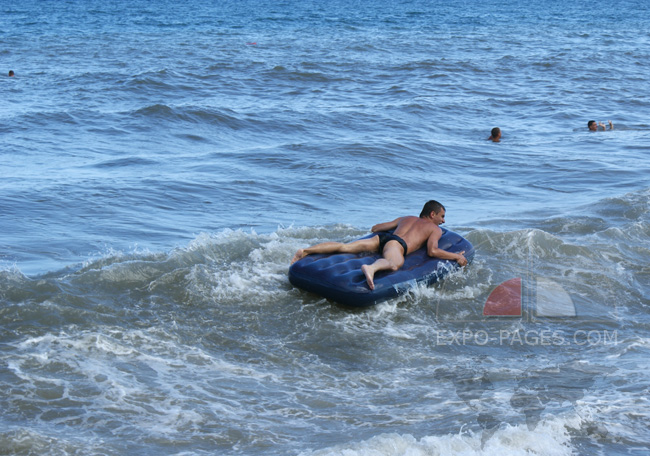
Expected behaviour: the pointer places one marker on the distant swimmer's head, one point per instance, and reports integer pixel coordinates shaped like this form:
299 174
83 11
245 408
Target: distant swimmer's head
495 134
11 73
434 210
592 125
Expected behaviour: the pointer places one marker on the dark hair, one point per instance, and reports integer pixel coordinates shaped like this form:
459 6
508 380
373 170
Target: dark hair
431 206
590 122
495 131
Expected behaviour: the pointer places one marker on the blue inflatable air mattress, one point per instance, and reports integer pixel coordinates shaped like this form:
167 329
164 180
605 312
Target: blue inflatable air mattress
338 276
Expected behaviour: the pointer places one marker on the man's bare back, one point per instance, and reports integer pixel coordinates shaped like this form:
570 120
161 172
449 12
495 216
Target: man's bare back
415 231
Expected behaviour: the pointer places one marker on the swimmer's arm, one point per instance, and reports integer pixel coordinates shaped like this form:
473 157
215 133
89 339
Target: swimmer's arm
611 125
436 252
386 225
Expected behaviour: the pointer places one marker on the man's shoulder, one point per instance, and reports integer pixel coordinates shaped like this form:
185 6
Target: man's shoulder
408 220
425 226
434 230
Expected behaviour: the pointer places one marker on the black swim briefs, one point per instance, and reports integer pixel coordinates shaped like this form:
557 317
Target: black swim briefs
384 237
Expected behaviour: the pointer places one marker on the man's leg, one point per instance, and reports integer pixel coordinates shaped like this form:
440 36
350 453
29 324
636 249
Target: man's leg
393 259
362 245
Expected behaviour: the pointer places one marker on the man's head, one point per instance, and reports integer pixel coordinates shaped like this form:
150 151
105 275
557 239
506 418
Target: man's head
496 132
592 125
434 210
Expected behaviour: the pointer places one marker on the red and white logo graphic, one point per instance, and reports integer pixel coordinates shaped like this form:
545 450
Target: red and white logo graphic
551 300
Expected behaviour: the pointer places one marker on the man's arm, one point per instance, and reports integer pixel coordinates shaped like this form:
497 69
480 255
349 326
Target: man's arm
386 225
434 251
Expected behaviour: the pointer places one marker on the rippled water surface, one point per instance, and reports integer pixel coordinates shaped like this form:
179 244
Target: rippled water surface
162 162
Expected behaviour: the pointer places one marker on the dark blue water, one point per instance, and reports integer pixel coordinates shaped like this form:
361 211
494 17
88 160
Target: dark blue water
162 162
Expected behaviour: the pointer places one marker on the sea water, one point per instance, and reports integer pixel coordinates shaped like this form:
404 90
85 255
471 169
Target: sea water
161 162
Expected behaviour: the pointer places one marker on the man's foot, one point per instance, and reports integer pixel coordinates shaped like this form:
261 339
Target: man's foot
370 275
300 254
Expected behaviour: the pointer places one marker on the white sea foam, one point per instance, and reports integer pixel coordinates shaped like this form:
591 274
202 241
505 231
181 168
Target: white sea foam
550 438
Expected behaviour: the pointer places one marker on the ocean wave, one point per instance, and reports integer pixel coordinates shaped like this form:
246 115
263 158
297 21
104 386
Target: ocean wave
175 346
238 265
193 115
551 437
126 162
